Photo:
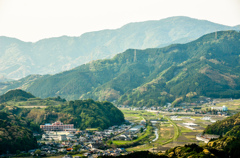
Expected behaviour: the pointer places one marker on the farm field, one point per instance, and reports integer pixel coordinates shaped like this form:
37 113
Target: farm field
171 133
137 116
232 105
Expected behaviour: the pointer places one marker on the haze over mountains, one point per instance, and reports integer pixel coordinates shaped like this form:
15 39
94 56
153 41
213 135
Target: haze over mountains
208 66
48 56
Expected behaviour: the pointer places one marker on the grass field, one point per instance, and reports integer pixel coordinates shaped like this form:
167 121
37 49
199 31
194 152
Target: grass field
92 129
137 116
35 103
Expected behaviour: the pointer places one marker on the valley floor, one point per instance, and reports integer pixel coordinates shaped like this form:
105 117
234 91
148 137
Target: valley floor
171 131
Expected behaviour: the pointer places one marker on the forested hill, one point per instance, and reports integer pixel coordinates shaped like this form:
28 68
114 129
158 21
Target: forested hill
82 113
49 56
16 95
88 113
208 66
14 135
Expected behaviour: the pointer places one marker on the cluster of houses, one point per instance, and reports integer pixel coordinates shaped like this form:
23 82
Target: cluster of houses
108 152
190 108
53 147
84 136
61 138
194 107
166 108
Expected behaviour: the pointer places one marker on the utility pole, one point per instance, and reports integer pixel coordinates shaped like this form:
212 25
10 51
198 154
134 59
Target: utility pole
135 56
91 63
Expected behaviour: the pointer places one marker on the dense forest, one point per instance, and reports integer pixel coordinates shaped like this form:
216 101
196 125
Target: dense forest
208 66
88 114
14 134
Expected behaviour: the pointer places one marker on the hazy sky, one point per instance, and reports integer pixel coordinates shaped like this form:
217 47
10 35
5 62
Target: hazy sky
31 20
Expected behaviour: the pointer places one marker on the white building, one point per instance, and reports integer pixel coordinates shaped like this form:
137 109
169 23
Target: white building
58 126
220 108
71 137
54 136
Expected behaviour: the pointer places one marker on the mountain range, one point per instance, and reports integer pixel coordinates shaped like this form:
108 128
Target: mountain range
208 66
49 56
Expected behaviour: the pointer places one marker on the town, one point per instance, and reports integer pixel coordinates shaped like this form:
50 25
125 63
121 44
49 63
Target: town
60 139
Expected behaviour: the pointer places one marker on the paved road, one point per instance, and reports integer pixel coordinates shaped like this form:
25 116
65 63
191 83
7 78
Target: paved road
156 134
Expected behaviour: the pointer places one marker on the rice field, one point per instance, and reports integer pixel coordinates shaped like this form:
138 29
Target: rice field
171 133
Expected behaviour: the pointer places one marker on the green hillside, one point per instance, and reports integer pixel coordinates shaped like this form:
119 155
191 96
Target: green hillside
87 114
14 134
22 83
16 95
228 126
208 66
82 113
230 142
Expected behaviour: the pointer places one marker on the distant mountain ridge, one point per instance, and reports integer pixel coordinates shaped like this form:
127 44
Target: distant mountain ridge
48 56
208 66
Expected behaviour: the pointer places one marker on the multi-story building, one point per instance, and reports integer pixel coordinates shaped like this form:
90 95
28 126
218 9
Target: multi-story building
57 126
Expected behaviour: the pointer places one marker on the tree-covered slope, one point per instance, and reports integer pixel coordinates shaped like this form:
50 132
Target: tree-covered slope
82 113
23 83
208 66
48 56
230 142
88 114
227 126
14 135
16 95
